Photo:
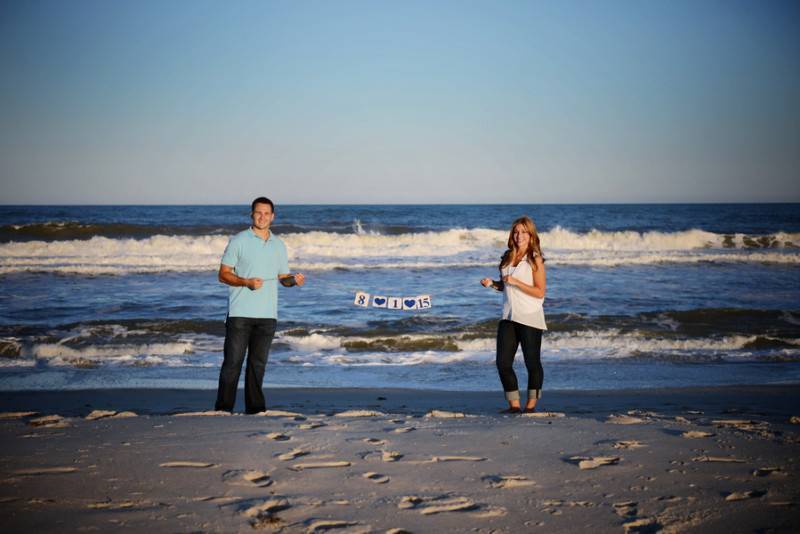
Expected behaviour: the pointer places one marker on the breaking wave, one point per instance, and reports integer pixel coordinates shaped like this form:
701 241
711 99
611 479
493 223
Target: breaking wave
317 250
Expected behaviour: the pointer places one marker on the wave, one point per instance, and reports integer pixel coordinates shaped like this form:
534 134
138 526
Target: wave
322 350
692 323
317 250
684 336
72 230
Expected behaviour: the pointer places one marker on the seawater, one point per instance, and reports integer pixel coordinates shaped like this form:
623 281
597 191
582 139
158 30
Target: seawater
638 295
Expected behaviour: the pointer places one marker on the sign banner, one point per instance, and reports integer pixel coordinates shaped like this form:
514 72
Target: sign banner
419 302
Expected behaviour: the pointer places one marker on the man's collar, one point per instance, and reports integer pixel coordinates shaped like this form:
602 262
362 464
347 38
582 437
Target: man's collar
254 234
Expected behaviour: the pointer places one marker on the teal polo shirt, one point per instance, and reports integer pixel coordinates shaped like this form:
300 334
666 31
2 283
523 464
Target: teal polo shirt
252 257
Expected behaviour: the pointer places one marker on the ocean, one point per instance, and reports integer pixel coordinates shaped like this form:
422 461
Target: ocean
638 296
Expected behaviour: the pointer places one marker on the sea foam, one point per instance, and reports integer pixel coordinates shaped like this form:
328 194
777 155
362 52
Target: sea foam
426 250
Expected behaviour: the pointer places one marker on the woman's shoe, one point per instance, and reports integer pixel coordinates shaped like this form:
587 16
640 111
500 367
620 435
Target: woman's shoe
529 410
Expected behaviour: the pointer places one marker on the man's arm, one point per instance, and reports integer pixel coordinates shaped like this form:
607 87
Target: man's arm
228 277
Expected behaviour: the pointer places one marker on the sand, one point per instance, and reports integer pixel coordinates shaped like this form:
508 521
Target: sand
357 460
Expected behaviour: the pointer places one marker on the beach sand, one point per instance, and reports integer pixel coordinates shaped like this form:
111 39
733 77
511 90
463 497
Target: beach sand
359 460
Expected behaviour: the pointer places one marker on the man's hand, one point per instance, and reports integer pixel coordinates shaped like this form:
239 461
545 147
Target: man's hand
254 283
290 280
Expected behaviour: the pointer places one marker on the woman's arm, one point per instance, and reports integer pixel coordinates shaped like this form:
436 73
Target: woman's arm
539 281
495 284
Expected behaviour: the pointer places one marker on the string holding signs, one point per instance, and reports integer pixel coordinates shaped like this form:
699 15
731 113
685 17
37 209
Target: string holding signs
420 302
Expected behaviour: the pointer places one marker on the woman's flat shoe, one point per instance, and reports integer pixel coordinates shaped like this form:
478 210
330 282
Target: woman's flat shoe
511 410
529 410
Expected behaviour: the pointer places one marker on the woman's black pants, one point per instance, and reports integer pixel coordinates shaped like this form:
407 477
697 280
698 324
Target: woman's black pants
509 336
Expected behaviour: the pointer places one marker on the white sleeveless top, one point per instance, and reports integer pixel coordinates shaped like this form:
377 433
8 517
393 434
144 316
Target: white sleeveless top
517 305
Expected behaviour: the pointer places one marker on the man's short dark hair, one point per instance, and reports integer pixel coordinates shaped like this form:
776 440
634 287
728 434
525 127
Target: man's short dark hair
262 200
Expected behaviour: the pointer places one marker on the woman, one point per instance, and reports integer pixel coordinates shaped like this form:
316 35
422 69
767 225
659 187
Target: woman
523 285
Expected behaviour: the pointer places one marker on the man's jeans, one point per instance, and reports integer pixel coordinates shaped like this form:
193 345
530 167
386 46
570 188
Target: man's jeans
254 336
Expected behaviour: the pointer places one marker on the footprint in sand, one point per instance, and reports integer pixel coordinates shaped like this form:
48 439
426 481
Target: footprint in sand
242 477
292 454
376 477
390 456
218 499
119 505
279 436
617 419
263 514
630 444
207 413
458 459
643 524
626 508
104 414
360 413
50 421
508 481
719 459
767 471
320 465
17 415
269 506
593 462
374 441
180 463
403 429
311 425
324 525
441 414
541 415
695 434
745 425
744 495
44 471
436 505
282 413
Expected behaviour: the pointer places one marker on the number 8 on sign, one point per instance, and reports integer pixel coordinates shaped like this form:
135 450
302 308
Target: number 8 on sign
362 299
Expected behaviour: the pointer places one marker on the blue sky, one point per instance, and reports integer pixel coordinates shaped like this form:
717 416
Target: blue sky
393 102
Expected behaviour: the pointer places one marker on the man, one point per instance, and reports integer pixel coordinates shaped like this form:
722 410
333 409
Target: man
254 262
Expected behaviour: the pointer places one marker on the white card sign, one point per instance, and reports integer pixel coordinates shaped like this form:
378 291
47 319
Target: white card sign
362 299
420 302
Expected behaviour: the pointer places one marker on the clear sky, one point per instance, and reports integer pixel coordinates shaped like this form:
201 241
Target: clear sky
215 102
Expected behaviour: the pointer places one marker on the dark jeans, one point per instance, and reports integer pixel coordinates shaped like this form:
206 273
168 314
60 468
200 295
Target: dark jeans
254 336
509 337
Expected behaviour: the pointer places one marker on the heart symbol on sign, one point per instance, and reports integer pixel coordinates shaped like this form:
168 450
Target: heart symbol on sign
409 302
379 301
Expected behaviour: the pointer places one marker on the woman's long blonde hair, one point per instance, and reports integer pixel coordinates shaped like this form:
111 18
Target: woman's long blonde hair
534 249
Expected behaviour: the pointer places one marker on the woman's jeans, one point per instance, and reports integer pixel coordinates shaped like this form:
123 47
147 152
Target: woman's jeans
254 336
509 337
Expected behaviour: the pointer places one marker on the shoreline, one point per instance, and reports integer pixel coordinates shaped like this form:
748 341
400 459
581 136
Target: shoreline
772 399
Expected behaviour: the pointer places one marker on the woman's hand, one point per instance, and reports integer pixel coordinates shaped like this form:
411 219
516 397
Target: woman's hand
510 280
487 282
